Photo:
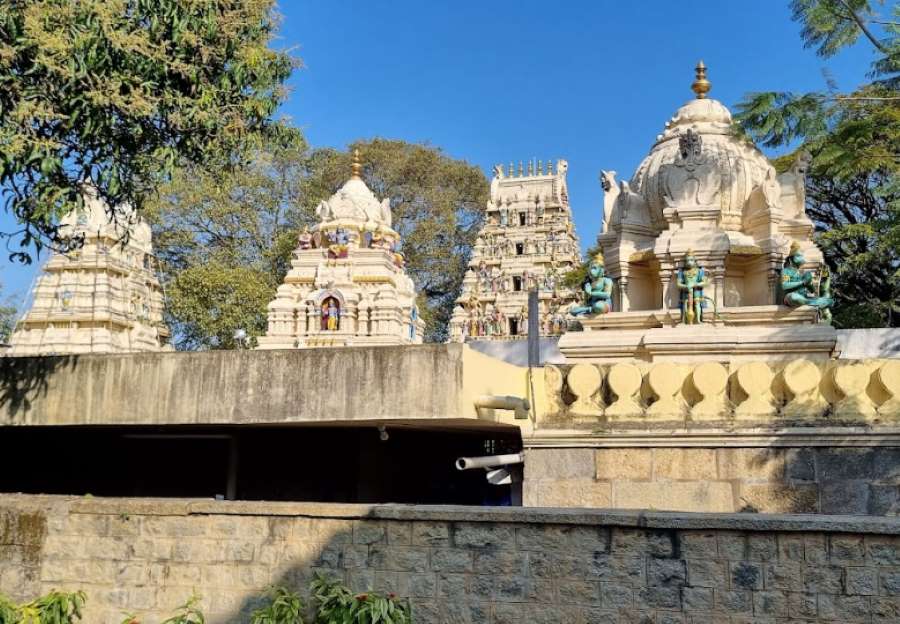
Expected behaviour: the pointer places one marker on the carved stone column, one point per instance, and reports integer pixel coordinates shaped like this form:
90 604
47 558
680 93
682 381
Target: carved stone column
624 300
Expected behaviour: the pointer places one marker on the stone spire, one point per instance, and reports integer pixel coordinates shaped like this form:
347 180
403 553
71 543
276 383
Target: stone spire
103 297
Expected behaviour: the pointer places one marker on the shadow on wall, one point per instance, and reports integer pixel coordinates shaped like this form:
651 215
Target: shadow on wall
826 480
24 378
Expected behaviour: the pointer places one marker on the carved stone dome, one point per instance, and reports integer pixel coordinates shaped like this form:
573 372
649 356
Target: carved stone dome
733 166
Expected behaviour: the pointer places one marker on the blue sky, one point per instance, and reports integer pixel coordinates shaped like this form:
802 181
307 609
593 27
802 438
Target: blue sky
592 81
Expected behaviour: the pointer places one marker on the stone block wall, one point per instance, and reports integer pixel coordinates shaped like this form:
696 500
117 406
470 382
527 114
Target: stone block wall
466 565
824 480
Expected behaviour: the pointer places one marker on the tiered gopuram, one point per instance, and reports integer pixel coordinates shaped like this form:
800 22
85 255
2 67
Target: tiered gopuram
527 243
347 285
710 252
103 297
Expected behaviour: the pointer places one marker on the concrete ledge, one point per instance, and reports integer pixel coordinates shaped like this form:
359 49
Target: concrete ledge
512 515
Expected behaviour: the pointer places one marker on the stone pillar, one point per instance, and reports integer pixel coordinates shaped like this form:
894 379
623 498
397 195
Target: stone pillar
665 279
718 280
624 300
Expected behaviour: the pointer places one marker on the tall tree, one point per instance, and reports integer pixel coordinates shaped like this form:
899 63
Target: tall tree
117 93
224 242
7 316
437 204
853 192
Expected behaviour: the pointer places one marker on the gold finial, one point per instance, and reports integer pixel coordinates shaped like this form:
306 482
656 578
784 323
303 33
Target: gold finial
540 167
701 85
521 170
356 166
549 167
530 167
512 170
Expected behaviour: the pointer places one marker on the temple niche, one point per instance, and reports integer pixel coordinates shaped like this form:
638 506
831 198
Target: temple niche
706 225
527 243
347 285
101 297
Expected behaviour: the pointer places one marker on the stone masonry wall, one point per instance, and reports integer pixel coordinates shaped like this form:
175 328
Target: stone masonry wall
826 480
459 565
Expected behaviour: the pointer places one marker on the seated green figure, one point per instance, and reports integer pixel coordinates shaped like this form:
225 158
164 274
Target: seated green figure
797 287
597 290
692 280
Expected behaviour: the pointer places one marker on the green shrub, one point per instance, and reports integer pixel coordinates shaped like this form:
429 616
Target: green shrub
335 604
284 607
188 613
54 608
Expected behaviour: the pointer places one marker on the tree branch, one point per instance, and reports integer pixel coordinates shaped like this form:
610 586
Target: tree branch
865 29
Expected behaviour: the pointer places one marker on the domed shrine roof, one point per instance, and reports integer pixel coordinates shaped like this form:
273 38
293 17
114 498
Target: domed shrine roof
354 203
699 140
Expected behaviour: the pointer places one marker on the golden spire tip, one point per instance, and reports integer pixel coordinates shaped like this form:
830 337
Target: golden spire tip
356 164
701 85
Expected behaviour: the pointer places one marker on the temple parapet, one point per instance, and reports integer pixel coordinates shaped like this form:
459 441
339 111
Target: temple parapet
751 394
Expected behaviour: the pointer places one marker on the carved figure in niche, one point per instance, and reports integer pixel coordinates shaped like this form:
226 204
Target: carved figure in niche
597 290
495 183
691 280
338 243
693 179
522 324
610 194
503 217
330 315
800 287
539 210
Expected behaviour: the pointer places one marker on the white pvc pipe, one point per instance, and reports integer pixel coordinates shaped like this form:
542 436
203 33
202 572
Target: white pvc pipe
489 461
502 402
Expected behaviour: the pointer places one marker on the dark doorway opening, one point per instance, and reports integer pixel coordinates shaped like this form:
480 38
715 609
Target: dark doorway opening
520 249
517 283
350 464
513 327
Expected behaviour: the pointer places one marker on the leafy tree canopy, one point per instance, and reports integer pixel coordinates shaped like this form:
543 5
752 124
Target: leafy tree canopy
225 240
7 316
118 93
853 193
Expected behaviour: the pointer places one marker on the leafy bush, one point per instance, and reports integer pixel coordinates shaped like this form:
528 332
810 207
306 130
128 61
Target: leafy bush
284 607
188 613
335 604
54 608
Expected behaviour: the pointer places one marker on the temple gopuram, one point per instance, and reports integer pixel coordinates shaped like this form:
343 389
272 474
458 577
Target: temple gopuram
706 253
527 243
347 285
101 297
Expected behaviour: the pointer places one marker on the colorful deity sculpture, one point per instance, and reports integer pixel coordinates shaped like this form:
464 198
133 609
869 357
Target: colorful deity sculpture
305 240
597 290
331 315
691 281
800 287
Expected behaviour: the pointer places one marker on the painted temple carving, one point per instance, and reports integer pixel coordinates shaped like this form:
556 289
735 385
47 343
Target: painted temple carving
347 285
527 243
102 297
698 243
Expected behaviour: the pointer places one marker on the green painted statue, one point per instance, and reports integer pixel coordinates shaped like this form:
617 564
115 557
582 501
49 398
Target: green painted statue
597 290
800 287
692 280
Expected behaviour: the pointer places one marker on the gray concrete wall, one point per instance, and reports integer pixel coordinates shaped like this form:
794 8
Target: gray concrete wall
418 382
466 565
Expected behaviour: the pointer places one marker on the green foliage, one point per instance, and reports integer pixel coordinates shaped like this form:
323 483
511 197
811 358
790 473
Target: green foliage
53 608
437 204
188 613
120 92
283 607
853 193
7 318
224 242
335 604
244 224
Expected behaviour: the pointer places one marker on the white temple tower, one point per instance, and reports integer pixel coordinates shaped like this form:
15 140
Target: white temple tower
347 285
527 243
101 298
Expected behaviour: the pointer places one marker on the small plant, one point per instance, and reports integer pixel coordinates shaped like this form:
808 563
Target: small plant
54 608
284 607
335 604
188 613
